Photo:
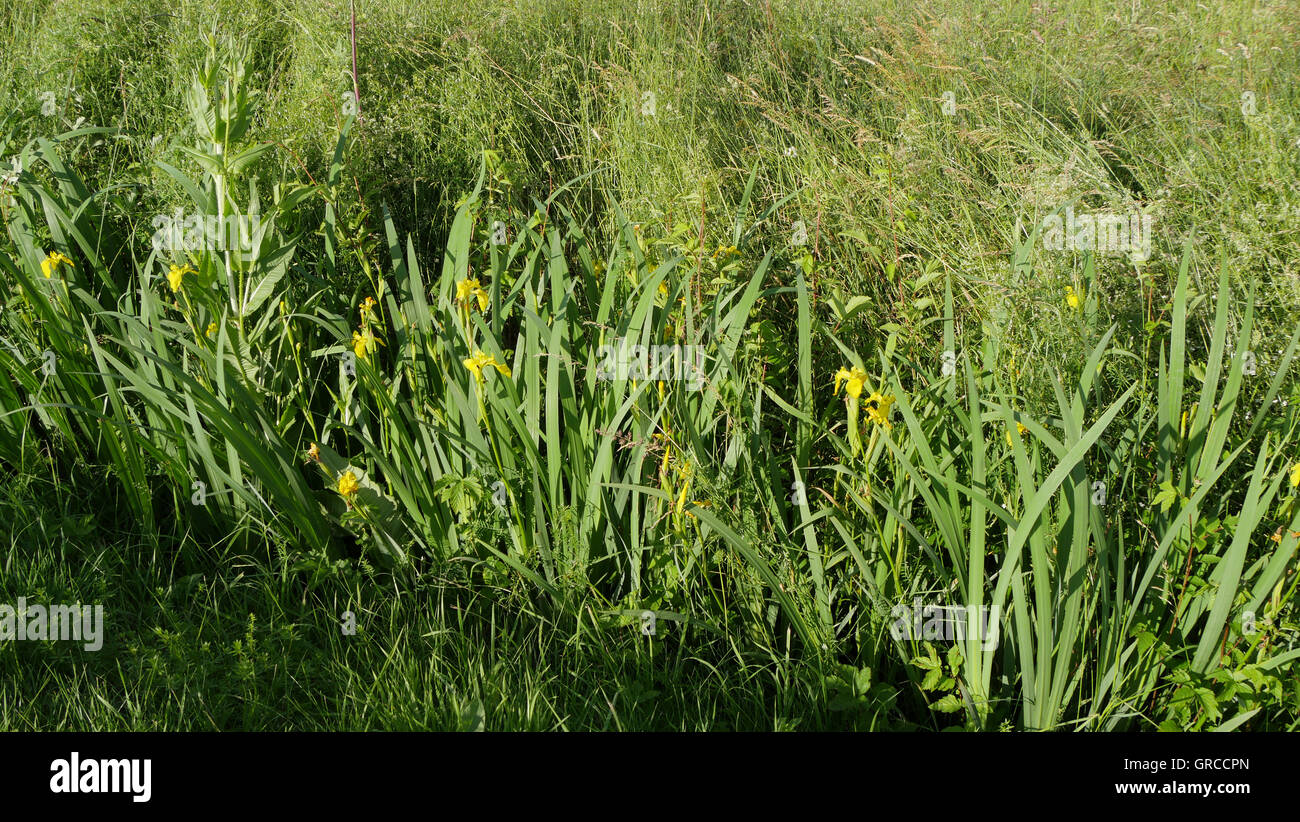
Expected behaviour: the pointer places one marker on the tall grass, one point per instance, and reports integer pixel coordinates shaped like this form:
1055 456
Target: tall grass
250 400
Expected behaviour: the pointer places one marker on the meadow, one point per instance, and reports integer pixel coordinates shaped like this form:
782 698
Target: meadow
740 365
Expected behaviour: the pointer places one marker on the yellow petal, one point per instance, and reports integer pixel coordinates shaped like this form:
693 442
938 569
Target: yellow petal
878 406
840 376
475 365
466 289
348 484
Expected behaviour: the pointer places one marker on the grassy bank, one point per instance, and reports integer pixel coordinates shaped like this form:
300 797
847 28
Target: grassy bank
415 395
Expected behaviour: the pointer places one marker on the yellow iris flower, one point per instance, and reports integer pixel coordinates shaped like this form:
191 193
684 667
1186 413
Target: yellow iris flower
479 360
367 306
878 406
51 263
365 343
854 379
175 274
469 289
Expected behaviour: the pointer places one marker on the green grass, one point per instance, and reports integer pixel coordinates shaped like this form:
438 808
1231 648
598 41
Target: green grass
657 174
251 647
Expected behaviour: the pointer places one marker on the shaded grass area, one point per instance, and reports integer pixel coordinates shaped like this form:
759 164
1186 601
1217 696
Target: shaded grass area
253 648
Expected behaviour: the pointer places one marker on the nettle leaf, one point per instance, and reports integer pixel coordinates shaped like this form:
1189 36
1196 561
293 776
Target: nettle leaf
950 704
933 680
1223 675
925 663
1209 703
954 659
461 494
1253 675
1167 496
1145 638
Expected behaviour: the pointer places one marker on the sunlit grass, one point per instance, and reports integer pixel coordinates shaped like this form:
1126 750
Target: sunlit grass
901 397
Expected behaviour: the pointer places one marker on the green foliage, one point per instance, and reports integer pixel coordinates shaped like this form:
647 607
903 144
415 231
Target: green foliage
899 405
